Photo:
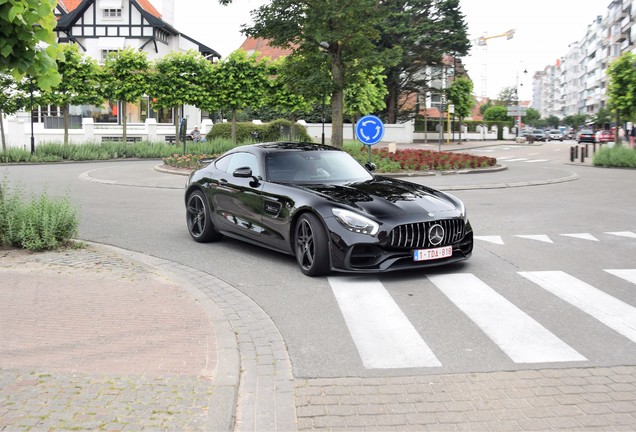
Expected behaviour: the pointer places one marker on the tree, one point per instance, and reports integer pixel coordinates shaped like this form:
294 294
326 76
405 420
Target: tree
419 33
602 118
460 94
366 94
496 113
349 31
180 78
553 121
12 99
79 85
240 82
507 97
575 120
25 25
532 116
621 89
286 93
125 76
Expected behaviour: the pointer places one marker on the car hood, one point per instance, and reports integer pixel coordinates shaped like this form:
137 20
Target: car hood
385 196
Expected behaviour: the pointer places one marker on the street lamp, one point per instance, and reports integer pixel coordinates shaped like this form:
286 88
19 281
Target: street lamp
323 46
518 117
31 114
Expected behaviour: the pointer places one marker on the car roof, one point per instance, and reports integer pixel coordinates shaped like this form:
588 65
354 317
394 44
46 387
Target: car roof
278 146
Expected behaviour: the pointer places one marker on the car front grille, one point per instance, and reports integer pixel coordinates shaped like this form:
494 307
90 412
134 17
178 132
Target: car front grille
415 235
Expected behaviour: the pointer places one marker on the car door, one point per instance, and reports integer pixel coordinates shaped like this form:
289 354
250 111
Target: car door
238 199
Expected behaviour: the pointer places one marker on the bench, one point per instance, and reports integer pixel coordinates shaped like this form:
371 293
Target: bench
129 139
171 138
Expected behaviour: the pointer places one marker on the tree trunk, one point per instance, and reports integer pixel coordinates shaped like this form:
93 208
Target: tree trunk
292 127
460 128
337 100
393 87
4 144
177 126
123 119
65 116
233 128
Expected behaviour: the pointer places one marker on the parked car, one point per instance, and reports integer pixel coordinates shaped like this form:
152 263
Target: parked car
586 135
555 135
318 203
537 135
605 136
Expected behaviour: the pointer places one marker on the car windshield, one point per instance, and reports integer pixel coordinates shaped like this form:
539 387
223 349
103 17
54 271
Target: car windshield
314 167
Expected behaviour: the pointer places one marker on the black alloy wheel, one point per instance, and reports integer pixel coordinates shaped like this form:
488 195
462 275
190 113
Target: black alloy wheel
198 218
311 245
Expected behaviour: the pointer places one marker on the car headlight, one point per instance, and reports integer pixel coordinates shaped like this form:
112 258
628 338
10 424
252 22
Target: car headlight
355 222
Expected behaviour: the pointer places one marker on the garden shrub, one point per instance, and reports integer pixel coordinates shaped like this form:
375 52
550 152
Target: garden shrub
38 224
616 156
273 131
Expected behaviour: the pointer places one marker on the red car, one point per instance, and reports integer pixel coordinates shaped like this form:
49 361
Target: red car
605 136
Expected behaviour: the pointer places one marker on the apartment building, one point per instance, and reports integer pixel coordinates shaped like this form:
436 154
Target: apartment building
577 83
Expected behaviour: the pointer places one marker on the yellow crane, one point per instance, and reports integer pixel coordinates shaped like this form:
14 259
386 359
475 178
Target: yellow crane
482 41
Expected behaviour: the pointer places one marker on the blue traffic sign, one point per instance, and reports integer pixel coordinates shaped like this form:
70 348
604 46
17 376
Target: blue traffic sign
369 130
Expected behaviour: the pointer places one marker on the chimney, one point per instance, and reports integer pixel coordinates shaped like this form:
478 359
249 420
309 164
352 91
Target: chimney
167 11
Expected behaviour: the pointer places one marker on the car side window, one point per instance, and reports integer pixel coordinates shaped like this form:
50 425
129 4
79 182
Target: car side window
240 160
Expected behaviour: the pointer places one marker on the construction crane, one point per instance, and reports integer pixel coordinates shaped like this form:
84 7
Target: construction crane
482 41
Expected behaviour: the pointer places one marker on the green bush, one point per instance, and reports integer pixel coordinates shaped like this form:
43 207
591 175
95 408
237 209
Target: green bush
39 224
617 156
273 131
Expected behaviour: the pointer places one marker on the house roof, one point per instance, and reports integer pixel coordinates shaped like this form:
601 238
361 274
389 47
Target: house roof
76 8
263 49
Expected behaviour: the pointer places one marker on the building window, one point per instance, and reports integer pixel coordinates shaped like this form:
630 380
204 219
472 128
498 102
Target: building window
112 13
105 53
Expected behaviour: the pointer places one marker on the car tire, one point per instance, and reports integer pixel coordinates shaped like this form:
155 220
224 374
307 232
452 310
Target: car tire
311 246
199 220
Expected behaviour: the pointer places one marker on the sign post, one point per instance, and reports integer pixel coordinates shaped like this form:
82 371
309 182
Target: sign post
369 131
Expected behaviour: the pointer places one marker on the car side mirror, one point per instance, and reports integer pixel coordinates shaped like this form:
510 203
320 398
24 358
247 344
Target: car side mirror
246 172
370 166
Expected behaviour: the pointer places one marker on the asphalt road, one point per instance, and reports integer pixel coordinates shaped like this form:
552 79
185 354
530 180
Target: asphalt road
547 232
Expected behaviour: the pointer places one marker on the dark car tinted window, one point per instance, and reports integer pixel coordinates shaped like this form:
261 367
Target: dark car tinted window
314 167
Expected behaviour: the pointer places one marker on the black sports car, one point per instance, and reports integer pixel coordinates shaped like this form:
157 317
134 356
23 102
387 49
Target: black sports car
318 203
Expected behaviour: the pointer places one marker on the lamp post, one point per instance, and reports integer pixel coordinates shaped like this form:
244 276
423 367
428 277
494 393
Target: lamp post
323 46
31 114
518 117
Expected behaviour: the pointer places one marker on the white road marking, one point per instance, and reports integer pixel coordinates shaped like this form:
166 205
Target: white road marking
537 160
628 275
609 310
541 238
583 236
522 338
504 157
384 337
623 234
492 239
517 160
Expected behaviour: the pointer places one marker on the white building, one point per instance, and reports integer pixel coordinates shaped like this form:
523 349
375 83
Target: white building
577 84
99 27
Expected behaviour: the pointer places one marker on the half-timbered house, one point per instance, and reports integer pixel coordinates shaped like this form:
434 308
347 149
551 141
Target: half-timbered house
99 27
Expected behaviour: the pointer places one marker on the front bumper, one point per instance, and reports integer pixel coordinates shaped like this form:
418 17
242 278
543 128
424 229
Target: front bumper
364 254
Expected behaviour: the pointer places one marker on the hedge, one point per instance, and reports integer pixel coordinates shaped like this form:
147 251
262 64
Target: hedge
273 131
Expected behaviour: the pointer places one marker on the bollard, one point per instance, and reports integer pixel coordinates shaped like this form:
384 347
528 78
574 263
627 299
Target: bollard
572 157
582 155
594 148
587 150
576 152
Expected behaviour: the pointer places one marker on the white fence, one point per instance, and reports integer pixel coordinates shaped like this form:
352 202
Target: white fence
18 132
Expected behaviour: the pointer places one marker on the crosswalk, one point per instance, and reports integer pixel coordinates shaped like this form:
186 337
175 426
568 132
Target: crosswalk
386 339
544 238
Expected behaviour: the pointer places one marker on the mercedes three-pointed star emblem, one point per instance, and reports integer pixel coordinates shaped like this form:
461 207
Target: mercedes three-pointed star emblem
436 234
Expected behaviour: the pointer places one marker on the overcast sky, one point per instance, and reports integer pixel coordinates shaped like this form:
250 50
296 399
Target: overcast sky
543 31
